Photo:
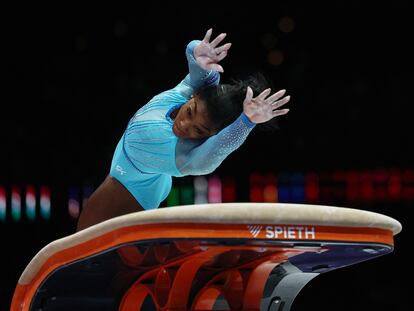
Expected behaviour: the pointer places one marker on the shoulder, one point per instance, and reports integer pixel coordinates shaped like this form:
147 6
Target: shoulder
144 130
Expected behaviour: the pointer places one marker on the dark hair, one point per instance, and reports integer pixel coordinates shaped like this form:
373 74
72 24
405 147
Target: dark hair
224 102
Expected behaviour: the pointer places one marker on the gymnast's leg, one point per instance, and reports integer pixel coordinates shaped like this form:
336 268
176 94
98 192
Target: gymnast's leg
110 199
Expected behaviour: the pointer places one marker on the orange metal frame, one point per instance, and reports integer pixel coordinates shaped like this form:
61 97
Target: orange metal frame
169 282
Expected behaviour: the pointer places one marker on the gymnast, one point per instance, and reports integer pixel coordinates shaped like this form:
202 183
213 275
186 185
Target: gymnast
187 130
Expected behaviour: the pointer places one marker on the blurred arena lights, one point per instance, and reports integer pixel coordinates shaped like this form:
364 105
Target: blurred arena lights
214 189
275 57
31 203
45 202
337 187
201 190
3 204
16 201
286 24
74 202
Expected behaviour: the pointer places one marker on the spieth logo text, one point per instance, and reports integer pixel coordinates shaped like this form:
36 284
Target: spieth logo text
284 232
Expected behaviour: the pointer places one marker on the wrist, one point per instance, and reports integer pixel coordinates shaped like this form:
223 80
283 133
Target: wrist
247 121
192 46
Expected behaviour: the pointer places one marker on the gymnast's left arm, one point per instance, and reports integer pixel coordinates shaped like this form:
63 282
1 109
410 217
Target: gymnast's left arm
205 158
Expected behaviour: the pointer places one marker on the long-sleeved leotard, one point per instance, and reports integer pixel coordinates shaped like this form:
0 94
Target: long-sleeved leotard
149 153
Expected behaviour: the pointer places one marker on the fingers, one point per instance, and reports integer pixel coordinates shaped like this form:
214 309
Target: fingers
222 48
276 96
263 94
273 100
280 112
220 56
249 95
208 35
281 102
221 52
215 67
217 40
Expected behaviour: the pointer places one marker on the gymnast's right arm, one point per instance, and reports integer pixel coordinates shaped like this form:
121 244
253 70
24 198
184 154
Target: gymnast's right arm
203 57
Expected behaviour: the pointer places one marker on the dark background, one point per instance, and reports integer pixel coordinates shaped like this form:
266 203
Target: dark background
74 77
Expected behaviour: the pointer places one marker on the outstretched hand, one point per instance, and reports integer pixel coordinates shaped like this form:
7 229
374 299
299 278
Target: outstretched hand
261 109
207 54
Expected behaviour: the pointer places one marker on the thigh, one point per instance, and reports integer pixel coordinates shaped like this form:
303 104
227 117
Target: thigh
110 199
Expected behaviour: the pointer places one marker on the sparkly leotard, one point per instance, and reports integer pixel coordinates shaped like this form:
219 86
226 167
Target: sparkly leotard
149 153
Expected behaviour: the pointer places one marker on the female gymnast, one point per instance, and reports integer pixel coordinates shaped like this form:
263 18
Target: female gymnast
188 130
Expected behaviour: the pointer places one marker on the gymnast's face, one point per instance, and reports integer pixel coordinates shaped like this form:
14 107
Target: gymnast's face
191 120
